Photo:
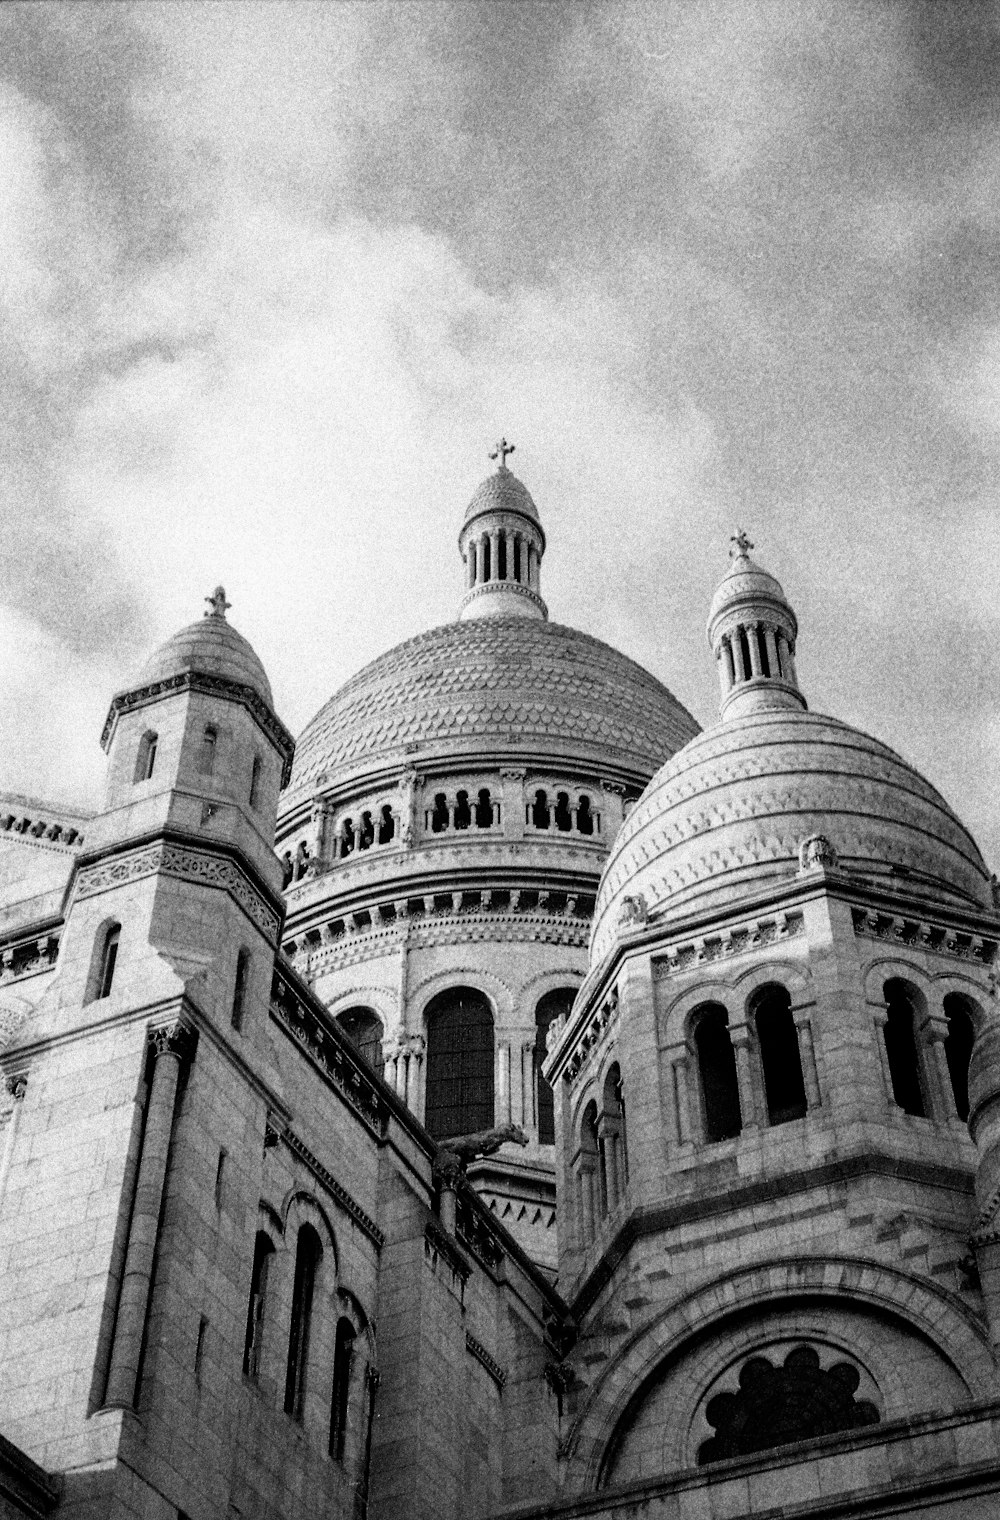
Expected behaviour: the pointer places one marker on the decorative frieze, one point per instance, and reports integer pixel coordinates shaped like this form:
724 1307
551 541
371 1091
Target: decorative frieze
345 1071
473 1228
340 1194
740 940
593 1036
924 936
28 957
439 1247
478 1350
200 867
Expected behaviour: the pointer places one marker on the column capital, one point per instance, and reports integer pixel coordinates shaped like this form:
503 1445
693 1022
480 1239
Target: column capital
176 1039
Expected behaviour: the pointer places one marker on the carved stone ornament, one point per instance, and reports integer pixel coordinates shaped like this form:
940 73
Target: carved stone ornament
634 912
817 853
448 1169
199 866
177 1039
17 1086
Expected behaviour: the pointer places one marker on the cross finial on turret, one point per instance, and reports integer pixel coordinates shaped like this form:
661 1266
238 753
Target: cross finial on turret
743 545
500 452
217 602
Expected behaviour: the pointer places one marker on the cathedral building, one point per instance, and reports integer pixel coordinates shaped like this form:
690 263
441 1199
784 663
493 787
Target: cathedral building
506 1099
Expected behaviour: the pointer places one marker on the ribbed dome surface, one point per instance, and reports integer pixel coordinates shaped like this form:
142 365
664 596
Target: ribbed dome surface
211 647
502 492
724 818
499 684
745 581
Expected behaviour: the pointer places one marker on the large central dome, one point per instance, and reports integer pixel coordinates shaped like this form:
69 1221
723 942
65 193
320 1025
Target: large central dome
512 684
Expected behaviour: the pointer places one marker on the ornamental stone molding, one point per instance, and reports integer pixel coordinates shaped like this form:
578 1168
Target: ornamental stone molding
490 1365
197 866
310 1025
743 939
595 1033
922 935
213 686
177 1039
28 957
333 1188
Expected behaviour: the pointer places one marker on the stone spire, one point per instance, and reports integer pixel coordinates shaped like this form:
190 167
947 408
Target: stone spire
502 543
752 631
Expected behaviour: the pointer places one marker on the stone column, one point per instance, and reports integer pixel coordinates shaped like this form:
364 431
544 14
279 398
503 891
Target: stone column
470 565
503 1082
17 1087
772 652
682 1102
510 557
792 673
880 1018
585 1174
739 1034
529 1112
724 680
607 1136
935 1032
415 1047
495 554
171 1045
781 648
513 803
807 1057
754 648
447 1173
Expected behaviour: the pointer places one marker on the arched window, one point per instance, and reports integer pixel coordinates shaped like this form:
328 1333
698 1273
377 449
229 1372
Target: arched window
343 1358
517 557
778 1042
308 1253
386 825
463 812
562 815
240 988
745 654
484 809
584 817
717 1069
287 869
206 753
554 1005
366 832
765 664
901 1046
346 837
593 1184
958 1048
107 961
256 771
487 567
301 860
501 574
262 1254
439 814
540 810
364 1029
459 1063
145 758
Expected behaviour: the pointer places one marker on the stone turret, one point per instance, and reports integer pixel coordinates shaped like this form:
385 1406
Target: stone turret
502 543
752 631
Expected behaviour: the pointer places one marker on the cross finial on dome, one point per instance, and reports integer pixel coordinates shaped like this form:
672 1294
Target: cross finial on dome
743 545
217 602
500 452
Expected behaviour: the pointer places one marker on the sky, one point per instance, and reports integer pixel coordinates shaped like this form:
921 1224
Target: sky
273 279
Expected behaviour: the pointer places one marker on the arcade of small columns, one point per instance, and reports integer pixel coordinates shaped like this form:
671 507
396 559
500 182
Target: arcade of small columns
755 651
518 562
514 1091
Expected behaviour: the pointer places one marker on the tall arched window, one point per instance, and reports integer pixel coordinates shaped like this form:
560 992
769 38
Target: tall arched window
778 1042
717 1069
540 810
240 988
459 1063
364 1029
206 753
484 809
611 1131
386 824
308 1253
256 771
562 815
106 959
584 817
591 1147
958 1048
901 1046
343 1358
463 812
263 1252
554 1005
145 758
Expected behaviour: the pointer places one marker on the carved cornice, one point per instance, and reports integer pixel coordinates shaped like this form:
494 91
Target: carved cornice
343 1071
726 943
478 1350
197 865
213 686
510 588
922 935
438 1245
448 927
473 1227
28 957
338 1193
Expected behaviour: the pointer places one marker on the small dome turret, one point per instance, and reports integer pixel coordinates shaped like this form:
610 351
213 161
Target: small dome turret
502 543
752 630
209 647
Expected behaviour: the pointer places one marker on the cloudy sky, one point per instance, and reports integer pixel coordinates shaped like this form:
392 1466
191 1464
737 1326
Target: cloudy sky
274 277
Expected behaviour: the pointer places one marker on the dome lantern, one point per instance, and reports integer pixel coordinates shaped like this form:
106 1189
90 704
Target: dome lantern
752 631
502 543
